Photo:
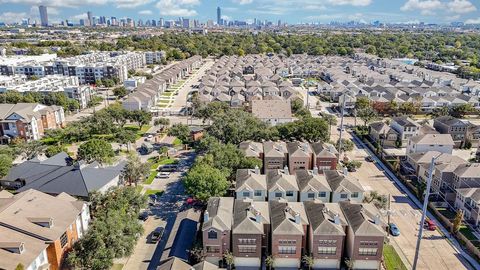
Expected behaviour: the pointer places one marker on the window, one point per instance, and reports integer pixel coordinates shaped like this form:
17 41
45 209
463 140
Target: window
327 250
63 239
343 196
311 195
246 194
247 241
367 251
278 194
287 242
213 249
327 242
289 193
287 249
322 194
212 234
258 193
247 249
354 195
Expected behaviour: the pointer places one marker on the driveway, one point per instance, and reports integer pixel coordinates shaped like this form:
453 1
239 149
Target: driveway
163 213
438 251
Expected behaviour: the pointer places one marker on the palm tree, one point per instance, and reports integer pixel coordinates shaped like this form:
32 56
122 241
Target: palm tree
229 259
308 260
349 263
269 261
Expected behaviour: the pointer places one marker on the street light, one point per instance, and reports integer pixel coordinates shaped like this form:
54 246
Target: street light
424 211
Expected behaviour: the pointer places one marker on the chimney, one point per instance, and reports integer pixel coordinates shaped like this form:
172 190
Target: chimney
315 170
205 216
376 219
257 170
285 170
297 218
336 219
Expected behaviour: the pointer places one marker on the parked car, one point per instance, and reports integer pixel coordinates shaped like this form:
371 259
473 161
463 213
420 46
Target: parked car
163 175
369 159
168 168
157 235
394 230
430 225
143 216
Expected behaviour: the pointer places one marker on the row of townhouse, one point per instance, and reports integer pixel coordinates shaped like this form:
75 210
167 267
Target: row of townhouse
28 121
329 232
146 95
294 155
447 132
69 85
305 185
37 229
454 179
87 68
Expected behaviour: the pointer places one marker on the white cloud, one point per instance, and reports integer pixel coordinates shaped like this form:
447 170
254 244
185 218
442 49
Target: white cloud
461 6
243 2
130 3
473 21
350 2
426 6
79 16
145 12
9 17
177 7
227 18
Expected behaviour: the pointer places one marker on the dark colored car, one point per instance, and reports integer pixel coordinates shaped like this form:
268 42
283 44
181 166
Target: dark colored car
143 216
394 230
369 159
157 235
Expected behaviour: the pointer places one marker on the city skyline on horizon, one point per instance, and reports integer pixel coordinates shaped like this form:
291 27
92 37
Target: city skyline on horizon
292 12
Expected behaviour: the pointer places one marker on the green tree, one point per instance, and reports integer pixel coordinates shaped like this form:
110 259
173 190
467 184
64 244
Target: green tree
308 128
347 145
203 181
52 150
457 221
162 122
459 111
96 150
5 164
180 131
125 136
229 259
367 115
31 149
308 260
135 170
140 117
269 262
362 103
120 91
19 267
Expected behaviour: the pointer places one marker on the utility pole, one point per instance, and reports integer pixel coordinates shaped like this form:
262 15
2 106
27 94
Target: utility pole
341 127
424 211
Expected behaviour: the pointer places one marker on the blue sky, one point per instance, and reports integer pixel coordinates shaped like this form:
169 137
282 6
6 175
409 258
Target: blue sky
291 11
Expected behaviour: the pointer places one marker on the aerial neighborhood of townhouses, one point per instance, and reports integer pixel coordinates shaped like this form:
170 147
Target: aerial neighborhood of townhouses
178 144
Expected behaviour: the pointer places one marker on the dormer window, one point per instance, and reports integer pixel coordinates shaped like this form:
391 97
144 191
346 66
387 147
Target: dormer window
13 247
212 234
43 222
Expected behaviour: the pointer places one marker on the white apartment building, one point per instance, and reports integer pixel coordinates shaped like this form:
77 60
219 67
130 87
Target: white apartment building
154 57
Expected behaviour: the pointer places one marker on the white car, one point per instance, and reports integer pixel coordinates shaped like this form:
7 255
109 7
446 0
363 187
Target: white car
163 175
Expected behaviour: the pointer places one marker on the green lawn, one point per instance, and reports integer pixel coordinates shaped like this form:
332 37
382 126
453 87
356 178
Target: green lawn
162 101
177 142
150 178
161 105
154 191
117 266
467 233
447 213
156 162
391 259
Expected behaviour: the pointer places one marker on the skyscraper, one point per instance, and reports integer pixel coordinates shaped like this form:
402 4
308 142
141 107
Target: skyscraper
219 16
43 15
90 18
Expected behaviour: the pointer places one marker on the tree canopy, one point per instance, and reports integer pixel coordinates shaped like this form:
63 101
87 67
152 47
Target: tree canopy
96 150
